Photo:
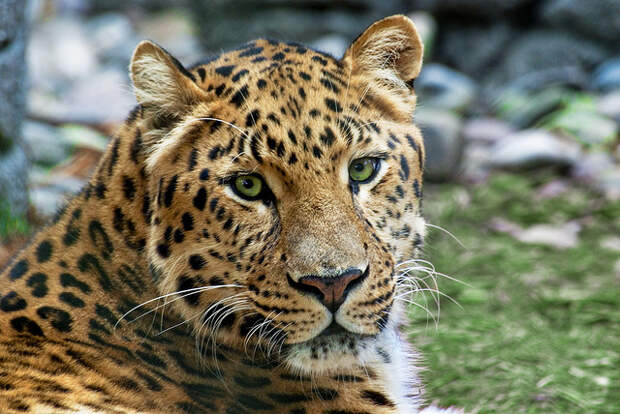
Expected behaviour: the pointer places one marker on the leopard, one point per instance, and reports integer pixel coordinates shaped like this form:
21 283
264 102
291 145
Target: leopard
239 247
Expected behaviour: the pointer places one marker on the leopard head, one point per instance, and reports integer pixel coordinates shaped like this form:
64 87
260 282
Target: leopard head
287 189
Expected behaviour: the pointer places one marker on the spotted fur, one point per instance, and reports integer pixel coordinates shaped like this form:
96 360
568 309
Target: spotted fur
158 289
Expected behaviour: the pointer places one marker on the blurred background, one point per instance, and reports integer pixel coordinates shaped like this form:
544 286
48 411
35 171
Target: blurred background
519 101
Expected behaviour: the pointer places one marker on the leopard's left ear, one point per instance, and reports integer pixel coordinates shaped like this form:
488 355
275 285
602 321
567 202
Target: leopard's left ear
389 51
161 83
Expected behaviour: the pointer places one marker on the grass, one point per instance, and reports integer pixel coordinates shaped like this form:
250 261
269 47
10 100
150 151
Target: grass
539 327
11 224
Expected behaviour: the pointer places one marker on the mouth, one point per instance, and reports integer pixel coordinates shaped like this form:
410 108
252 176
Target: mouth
333 329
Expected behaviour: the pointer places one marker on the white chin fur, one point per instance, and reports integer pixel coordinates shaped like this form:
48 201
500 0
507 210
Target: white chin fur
387 354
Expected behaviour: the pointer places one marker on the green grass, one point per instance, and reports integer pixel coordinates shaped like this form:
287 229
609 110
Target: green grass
10 223
539 328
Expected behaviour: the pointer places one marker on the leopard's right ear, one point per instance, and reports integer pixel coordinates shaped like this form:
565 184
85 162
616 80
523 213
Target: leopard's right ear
161 83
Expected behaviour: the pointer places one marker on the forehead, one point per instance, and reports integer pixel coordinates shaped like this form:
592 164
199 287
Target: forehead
293 103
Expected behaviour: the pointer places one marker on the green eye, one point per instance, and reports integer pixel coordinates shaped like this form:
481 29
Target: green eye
249 187
363 169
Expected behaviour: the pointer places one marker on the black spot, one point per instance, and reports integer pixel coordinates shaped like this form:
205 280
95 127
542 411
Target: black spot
152 359
320 60
136 147
240 74
44 251
188 221
328 137
416 188
214 152
129 188
252 382
316 151
71 300
377 398
200 199
225 70
271 143
12 302
302 93
151 383
59 319
333 105
251 51
404 167
278 56
254 148
23 324
169 193
253 403
330 85
252 118
113 155
100 238
197 262
187 283
204 174
68 280
202 73
163 250
90 262
305 76
38 282
261 83
220 89
239 97
19 269
193 156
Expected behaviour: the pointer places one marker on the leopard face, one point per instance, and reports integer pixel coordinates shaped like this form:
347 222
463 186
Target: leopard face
288 188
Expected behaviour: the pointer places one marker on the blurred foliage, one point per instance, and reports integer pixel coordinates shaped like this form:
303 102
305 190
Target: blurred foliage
539 328
10 224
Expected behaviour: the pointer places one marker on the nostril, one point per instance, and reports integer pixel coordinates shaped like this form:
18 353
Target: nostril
331 291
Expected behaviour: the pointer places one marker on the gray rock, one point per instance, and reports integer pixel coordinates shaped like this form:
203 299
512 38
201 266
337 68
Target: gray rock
440 87
303 21
586 126
541 50
334 45
114 37
45 144
533 148
13 163
591 166
476 8
474 49
486 130
609 105
443 141
598 18
60 52
609 183
14 179
607 75
103 97
523 109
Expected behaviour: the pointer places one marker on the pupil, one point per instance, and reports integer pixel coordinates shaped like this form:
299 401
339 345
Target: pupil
248 184
359 167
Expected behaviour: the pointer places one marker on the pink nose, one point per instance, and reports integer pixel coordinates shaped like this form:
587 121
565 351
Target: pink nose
331 291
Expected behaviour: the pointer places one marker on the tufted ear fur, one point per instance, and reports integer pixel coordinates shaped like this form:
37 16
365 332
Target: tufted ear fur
390 51
160 82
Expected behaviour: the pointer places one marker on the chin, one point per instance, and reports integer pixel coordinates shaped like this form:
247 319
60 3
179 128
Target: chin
336 353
